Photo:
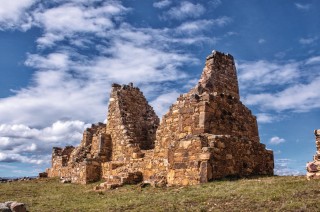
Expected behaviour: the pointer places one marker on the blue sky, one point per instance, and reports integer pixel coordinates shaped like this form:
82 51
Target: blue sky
58 60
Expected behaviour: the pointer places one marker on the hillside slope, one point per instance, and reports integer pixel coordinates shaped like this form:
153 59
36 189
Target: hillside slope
257 194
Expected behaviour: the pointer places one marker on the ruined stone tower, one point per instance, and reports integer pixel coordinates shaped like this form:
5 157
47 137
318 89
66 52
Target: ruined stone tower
207 134
313 168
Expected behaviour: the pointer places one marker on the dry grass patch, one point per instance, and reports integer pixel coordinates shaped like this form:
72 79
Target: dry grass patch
258 194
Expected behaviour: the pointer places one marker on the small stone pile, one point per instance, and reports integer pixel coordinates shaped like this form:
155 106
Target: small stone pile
12 206
313 168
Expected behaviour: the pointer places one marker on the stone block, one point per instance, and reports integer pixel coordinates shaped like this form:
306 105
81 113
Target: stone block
204 156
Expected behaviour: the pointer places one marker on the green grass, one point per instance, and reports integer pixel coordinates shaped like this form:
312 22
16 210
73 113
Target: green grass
258 194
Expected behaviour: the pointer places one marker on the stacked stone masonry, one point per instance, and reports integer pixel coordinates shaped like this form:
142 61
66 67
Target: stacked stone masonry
207 134
313 168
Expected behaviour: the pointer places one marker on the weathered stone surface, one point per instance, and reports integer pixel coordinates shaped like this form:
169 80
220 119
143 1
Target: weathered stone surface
313 167
12 206
18 207
4 208
207 134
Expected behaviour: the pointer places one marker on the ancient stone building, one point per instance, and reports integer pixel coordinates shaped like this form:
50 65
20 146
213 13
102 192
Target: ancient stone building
207 134
313 168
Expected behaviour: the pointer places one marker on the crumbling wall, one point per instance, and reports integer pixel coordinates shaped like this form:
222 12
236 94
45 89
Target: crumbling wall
211 110
59 161
313 168
132 122
83 163
207 134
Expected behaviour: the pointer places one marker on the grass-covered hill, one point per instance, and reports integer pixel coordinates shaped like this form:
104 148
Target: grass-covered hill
258 194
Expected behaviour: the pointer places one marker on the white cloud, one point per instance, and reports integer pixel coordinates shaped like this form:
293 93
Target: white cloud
162 103
278 86
72 19
21 143
276 140
53 61
261 41
13 14
18 137
9 158
264 73
185 10
306 41
162 4
288 167
299 98
313 60
200 25
265 118
302 6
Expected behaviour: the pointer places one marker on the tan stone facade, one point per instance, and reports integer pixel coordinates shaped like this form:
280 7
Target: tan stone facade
313 168
207 134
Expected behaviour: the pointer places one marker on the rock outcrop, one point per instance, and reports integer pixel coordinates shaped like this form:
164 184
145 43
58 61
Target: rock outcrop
313 168
207 134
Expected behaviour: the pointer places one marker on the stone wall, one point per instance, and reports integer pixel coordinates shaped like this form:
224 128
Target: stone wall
207 134
313 168
132 122
83 163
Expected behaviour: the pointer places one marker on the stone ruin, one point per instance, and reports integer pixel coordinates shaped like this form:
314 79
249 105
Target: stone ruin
313 168
207 134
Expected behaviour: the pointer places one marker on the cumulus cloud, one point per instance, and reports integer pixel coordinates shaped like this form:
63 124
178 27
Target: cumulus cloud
20 143
18 135
71 19
185 10
162 4
13 14
276 140
10 158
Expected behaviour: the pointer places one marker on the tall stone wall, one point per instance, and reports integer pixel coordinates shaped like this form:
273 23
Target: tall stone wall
214 114
219 75
132 122
207 134
313 168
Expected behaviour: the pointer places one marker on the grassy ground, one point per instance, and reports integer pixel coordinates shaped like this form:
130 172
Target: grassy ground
259 194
